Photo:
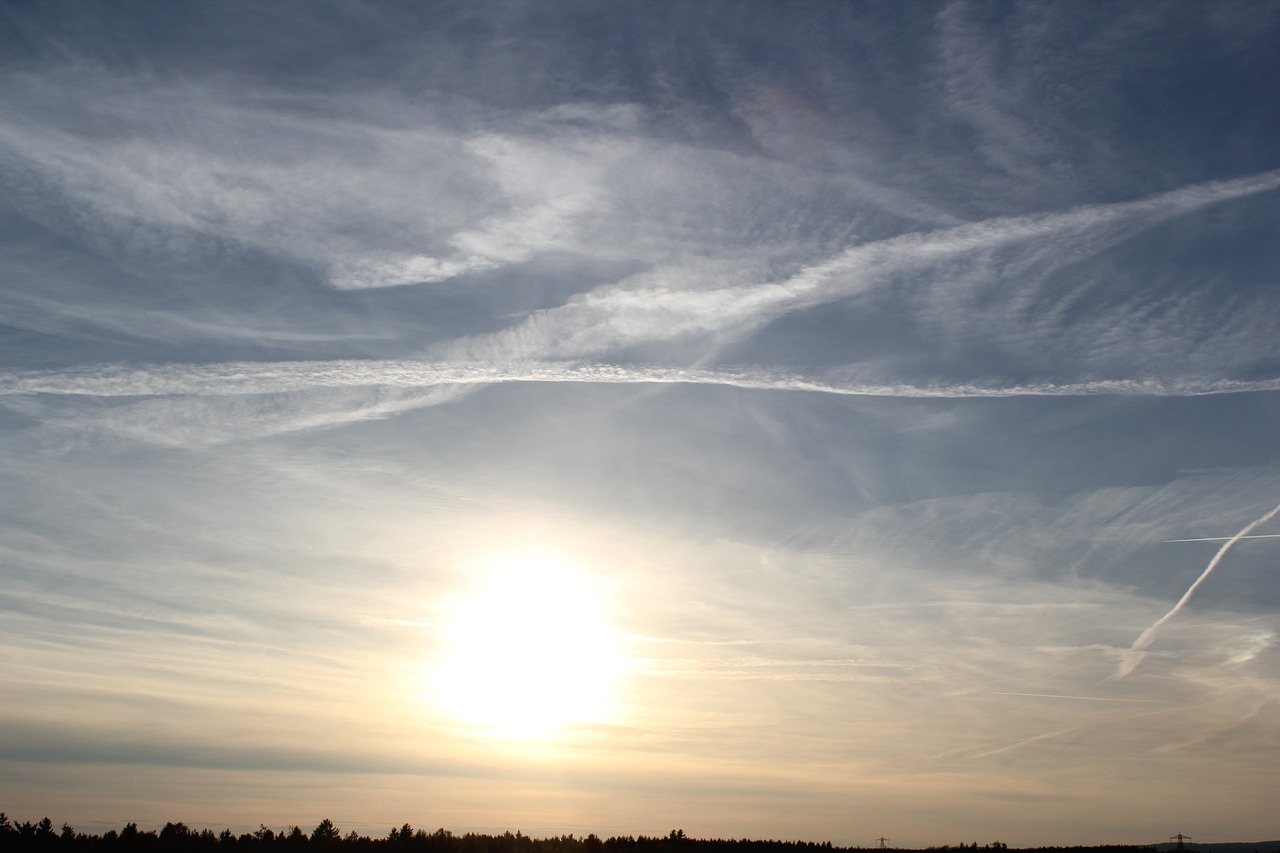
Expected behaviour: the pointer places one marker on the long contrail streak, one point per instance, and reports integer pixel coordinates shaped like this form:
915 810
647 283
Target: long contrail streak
1225 538
1081 698
1135 654
235 378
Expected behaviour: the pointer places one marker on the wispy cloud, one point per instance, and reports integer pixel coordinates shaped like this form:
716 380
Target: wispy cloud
775 669
868 360
1075 698
437 197
666 304
988 750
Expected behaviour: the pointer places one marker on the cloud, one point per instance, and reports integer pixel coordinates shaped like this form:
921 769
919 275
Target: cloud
252 378
1075 698
177 405
673 303
190 169
729 244
548 187
872 358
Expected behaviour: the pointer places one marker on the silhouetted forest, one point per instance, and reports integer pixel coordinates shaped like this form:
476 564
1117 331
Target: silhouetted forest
178 838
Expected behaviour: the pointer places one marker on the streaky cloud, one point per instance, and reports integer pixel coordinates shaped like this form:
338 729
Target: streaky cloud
651 308
1078 698
1029 741
246 378
987 749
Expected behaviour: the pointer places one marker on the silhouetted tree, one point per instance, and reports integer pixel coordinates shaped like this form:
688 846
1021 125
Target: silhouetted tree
175 836
325 833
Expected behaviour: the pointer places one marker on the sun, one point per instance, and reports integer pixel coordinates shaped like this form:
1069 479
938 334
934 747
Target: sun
527 650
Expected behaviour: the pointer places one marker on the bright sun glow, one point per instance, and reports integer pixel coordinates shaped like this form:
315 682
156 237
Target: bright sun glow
527 650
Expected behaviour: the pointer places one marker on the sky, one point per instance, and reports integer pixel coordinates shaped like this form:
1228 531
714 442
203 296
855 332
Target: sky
807 420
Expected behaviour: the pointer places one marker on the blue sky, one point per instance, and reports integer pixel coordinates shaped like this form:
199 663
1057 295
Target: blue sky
843 369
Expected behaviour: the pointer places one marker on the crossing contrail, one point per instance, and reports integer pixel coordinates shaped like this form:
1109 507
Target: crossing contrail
1135 654
1225 538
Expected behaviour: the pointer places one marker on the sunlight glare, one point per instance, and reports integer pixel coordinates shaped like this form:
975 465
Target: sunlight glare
527 650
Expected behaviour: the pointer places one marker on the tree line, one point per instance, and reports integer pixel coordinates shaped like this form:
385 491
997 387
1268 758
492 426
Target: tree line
44 837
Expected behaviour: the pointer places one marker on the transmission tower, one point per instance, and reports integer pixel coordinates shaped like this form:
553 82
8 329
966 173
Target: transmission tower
883 842
1180 838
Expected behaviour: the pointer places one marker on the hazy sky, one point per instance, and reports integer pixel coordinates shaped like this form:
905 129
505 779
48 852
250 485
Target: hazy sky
764 419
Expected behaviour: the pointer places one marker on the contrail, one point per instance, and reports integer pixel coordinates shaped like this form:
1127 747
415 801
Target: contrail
1225 538
236 378
1082 698
1135 654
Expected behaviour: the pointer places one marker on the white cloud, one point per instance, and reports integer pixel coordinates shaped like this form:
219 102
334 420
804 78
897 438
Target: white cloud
675 302
255 378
